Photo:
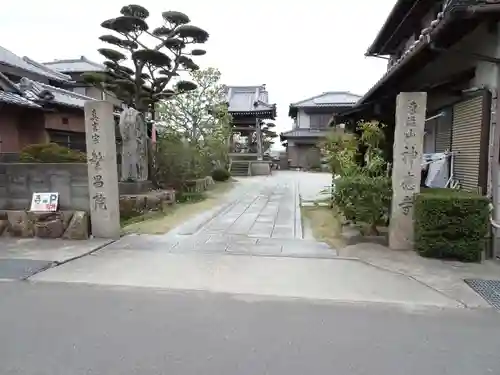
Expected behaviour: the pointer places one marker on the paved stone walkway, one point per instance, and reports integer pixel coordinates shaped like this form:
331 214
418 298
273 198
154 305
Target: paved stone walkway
261 216
251 245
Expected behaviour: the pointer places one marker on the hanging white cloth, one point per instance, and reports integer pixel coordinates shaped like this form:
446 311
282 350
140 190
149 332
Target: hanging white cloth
438 174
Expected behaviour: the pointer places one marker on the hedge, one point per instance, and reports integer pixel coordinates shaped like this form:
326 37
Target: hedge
221 174
363 199
51 153
451 224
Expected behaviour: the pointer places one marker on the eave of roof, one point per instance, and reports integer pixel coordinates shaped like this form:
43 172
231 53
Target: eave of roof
304 133
10 59
294 107
32 90
16 99
420 44
58 76
401 7
333 104
76 65
268 114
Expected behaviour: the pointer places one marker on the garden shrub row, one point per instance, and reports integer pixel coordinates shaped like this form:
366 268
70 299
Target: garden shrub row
364 199
51 153
451 224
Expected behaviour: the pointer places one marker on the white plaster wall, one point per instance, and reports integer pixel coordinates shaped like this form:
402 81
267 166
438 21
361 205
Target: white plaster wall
303 120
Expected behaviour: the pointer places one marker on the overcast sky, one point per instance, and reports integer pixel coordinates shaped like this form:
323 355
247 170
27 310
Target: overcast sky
298 49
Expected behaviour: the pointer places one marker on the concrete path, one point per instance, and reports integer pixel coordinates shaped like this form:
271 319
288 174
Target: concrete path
23 257
252 244
261 216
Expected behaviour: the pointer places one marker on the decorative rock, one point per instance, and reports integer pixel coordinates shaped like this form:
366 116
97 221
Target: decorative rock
140 203
127 206
42 216
4 224
52 228
170 196
78 227
66 218
153 202
19 224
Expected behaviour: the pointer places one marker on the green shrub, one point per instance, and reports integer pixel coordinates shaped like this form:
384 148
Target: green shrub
51 153
451 224
364 199
190 197
221 174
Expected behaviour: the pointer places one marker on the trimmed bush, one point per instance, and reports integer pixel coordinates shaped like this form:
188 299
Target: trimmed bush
51 153
364 199
451 224
190 197
221 174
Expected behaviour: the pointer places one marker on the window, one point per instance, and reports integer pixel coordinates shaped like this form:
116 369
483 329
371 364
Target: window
65 121
80 90
72 140
320 121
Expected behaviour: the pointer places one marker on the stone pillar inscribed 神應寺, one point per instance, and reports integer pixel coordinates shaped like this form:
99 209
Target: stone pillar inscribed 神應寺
102 169
406 171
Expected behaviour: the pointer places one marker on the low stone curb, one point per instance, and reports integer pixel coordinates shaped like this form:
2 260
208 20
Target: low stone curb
57 263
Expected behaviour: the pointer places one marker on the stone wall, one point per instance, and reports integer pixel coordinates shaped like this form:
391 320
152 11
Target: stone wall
72 225
18 182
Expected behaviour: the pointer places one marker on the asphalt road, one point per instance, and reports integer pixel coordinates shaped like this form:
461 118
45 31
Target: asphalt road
69 329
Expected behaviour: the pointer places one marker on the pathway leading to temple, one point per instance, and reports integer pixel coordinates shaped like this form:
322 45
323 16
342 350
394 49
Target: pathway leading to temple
252 244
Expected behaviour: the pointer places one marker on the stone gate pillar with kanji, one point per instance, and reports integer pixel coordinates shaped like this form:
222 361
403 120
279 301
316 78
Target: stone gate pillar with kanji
406 171
102 169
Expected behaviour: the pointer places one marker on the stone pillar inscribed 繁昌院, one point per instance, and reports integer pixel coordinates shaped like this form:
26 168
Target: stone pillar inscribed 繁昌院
102 169
406 172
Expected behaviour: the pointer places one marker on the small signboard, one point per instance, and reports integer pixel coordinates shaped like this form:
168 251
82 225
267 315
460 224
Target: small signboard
44 202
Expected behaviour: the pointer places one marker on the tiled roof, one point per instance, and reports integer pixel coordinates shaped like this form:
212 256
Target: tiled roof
16 99
248 99
28 65
304 133
9 93
329 98
37 91
397 16
417 46
53 73
80 65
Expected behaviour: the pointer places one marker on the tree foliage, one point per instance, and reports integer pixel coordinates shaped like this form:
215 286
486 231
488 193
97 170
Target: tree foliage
200 113
268 136
361 192
194 131
143 61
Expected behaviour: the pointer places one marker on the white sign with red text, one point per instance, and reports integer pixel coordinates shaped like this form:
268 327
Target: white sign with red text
44 202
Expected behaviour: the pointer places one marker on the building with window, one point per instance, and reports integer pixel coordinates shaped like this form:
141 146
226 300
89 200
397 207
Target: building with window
311 118
450 50
38 104
74 68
